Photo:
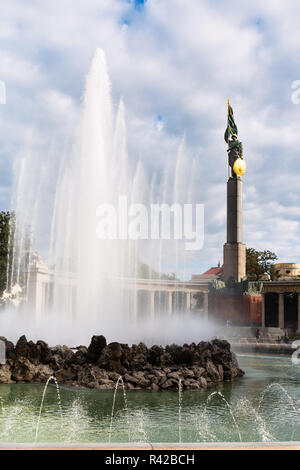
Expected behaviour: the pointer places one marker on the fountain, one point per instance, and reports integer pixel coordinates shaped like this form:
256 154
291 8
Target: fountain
119 381
84 289
82 282
52 378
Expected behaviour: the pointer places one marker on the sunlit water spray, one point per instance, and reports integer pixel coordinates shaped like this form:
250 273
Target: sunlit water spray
85 288
52 378
119 381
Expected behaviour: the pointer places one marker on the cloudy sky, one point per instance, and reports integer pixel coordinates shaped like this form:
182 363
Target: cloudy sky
175 63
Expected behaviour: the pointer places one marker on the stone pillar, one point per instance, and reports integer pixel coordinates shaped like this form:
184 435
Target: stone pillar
36 291
170 302
205 305
234 249
263 311
152 304
188 300
135 298
281 311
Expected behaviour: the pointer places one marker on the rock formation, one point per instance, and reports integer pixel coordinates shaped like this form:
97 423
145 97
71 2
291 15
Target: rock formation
99 366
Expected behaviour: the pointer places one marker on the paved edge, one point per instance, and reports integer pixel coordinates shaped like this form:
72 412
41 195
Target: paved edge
156 446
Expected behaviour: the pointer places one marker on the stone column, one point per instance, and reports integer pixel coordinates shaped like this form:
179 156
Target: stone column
263 311
205 305
135 296
188 300
170 303
234 249
281 311
152 304
35 292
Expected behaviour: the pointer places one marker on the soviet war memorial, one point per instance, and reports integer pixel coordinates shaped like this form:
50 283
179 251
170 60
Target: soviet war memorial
149 226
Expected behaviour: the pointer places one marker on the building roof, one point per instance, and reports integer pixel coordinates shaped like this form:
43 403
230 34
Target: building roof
213 271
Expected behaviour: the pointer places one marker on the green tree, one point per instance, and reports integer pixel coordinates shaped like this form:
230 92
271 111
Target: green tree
259 263
5 219
145 271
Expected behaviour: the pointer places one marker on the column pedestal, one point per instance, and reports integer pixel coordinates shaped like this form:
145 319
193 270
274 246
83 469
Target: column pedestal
234 250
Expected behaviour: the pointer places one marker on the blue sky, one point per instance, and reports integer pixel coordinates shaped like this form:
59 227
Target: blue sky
175 63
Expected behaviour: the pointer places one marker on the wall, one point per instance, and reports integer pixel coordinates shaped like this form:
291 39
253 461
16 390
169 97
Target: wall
243 310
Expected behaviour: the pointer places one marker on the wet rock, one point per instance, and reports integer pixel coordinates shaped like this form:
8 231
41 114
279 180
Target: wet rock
80 357
159 374
9 348
167 384
155 354
43 372
131 379
24 370
212 371
64 352
5 374
200 365
104 387
130 386
114 376
221 372
155 387
180 354
66 375
187 373
110 357
22 347
96 347
203 382
111 383
174 375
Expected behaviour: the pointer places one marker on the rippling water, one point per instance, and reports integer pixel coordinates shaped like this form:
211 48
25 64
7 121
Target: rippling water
258 410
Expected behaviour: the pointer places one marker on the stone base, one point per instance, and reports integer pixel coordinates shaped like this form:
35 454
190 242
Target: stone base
234 261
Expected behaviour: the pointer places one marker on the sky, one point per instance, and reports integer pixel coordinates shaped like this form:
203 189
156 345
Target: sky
175 63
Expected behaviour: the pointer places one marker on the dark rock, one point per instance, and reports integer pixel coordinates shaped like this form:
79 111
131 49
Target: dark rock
80 357
212 371
22 348
64 352
24 370
155 354
131 379
9 348
180 354
101 365
66 375
97 345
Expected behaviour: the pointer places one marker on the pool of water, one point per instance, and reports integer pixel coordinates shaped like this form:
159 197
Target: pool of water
262 406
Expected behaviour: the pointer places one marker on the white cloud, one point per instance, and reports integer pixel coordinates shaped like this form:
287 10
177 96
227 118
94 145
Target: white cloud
181 62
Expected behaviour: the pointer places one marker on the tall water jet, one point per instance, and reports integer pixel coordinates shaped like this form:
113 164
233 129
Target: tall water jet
81 285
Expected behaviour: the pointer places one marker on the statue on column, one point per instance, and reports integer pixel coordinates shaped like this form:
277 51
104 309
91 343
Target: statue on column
235 147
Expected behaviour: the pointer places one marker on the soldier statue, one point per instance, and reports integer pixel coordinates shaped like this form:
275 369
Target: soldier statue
235 151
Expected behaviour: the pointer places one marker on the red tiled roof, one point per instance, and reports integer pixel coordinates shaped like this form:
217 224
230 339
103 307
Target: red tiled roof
214 271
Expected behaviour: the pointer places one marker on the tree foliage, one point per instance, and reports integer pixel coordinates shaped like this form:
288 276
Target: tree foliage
144 271
5 219
259 264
